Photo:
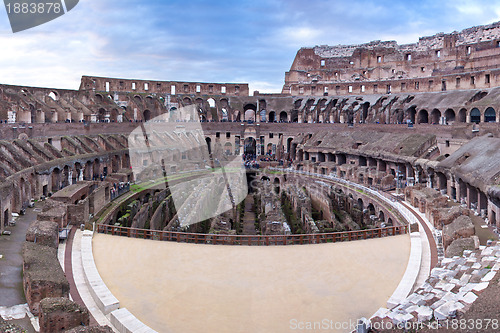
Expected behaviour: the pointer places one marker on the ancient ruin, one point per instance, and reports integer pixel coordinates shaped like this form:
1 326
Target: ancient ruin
354 128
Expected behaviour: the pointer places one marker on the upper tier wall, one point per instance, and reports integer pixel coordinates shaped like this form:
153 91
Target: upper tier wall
459 60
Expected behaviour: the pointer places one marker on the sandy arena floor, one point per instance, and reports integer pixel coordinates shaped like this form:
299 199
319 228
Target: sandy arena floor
180 288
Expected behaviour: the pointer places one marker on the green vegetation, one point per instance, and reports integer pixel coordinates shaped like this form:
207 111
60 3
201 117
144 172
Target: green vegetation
290 215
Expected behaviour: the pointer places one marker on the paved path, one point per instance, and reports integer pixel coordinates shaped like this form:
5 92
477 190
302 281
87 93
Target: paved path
11 265
68 270
249 217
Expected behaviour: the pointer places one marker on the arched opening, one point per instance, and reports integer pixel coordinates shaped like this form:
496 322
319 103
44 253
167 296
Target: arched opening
114 116
435 116
399 116
249 112
211 102
53 95
462 115
56 178
450 116
475 116
410 114
250 115
423 117
209 144
146 115
224 114
381 216
101 116
33 113
272 117
96 169
371 209
249 148
283 117
138 100
490 115
365 107
360 204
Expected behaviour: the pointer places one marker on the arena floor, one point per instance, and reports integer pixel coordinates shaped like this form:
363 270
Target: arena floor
179 288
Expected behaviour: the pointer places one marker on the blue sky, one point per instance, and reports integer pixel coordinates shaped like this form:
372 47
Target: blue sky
213 41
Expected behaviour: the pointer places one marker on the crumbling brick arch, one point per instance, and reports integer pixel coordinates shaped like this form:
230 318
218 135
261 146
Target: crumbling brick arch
54 95
365 108
138 100
449 114
146 115
249 111
435 117
423 117
462 115
411 114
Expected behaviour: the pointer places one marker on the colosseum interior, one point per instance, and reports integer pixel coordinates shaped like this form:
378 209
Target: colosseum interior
372 146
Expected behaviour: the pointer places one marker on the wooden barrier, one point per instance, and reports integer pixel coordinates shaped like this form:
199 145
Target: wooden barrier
222 239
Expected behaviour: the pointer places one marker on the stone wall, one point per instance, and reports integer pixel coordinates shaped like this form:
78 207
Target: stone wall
42 275
61 314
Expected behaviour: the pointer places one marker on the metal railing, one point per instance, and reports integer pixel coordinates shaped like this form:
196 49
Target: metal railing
221 239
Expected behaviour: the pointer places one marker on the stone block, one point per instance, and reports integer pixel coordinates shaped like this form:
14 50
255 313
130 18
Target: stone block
43 233
424 313
60 314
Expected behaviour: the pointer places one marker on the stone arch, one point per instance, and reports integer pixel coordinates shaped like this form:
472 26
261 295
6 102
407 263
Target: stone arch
56 178
146 115
272 117
283 117
138 100
96 168
449 114
381 216
209 144
490 115
462 115
435 117
249 111
361 205
101 115
115 163
54 95
411 113
250 147
211 102
475 116
114 116
423 117
87 174
371 208
365 108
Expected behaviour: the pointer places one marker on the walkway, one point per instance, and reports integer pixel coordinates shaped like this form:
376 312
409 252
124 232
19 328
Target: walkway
249 217
207 288
71 259
11 267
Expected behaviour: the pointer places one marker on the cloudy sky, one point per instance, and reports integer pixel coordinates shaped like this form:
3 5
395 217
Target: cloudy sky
251 41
